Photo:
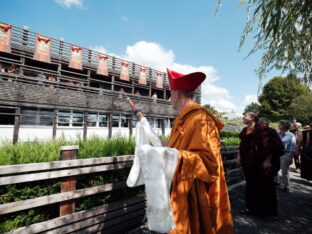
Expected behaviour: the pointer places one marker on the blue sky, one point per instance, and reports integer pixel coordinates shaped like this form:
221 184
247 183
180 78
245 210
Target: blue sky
181 34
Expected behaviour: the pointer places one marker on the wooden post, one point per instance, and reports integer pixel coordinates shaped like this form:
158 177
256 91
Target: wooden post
17 119
61 47
25 36
85 125
89 56
150 82
113 81
69 183
110 125
54 124
130 125
162 122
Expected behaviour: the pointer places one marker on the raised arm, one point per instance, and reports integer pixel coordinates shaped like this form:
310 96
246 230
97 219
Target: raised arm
134 107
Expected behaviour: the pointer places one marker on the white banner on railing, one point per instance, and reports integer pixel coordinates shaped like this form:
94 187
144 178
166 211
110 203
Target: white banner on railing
42 51
5 38
75 57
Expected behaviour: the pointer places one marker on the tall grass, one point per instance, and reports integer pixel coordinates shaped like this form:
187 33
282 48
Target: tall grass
230 141
36 151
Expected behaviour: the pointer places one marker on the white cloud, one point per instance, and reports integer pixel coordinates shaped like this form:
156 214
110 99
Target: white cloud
153 55
124 18
70 3
100 49
150 54
222 104
249 98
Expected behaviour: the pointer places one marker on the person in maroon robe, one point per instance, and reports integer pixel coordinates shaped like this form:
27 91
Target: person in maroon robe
306 156
259 152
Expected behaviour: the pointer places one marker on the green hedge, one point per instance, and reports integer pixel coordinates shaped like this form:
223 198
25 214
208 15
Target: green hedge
227 134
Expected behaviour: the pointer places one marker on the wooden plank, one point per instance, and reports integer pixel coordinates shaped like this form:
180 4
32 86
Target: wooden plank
228 162
115 225
55 198
232 171
109 219
61 173
30 167
82 215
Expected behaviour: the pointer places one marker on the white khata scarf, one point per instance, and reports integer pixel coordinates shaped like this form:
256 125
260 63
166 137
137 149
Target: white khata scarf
154 166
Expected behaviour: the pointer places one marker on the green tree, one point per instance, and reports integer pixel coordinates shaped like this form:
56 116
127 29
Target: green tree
211 109
282 30
301 107
252 107
278 94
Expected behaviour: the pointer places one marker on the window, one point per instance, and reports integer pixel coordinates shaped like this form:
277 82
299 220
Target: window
63 118
29 116
134 122
92 119
7 116
124 121
157 123
46 117
115 121
151 121
103 120
36 117
77 120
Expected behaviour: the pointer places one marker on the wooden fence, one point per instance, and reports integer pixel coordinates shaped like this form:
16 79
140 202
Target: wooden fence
116 217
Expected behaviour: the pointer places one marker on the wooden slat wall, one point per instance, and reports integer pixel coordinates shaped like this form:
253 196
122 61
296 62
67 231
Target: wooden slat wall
36 95
106 219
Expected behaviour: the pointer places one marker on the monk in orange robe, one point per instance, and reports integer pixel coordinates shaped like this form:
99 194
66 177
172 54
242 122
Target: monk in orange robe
199 197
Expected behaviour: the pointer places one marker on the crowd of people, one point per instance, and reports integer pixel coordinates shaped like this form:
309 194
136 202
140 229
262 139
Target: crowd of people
266 155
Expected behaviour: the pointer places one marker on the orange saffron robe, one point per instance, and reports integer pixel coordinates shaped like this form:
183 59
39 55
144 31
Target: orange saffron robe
199 196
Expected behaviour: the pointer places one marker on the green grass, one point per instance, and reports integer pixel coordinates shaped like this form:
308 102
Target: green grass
36 151
230 141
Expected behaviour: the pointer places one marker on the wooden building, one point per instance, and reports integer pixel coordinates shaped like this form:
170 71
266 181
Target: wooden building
56 89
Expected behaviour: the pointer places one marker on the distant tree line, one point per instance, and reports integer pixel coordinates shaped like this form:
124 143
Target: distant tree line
284 98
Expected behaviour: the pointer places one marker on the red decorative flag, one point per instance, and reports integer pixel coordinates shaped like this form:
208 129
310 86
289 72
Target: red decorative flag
142 78
42 51
102 65
124 73
75 57
159 80
5 38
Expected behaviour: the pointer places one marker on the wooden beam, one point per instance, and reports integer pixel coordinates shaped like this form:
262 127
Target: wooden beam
130 125
163 132
56 198
54 124
17 120
110 125
66 164
61 173
85 125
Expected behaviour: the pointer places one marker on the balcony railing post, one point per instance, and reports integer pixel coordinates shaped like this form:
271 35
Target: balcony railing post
69 183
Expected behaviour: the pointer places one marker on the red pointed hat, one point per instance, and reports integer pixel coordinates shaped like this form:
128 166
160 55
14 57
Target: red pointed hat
185 82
